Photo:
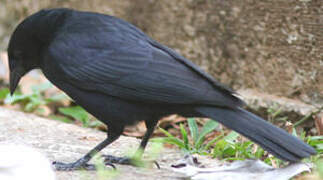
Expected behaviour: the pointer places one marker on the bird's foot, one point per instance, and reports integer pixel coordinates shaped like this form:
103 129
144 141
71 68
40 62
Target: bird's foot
59 166
126 161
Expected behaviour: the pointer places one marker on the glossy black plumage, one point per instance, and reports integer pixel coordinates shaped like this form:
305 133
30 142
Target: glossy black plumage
122 76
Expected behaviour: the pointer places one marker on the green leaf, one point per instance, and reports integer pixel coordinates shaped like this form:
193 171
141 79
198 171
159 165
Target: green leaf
231 137
3 93
59 118
276 113
209 126
229 151
30 107
185 137
315 138
193 129
319 147
170 140
166 133
259 153
315 142
77 113
219 148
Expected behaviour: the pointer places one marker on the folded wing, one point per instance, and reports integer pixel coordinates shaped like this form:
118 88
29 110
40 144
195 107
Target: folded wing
127 64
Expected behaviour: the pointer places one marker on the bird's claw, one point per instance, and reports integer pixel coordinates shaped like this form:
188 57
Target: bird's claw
59 166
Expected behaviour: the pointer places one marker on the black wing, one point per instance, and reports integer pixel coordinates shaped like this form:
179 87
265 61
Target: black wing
115 58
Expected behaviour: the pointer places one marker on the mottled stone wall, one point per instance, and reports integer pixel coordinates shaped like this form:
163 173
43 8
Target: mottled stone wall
274 46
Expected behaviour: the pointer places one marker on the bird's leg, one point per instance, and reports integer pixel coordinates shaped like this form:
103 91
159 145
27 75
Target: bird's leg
150 125
82 163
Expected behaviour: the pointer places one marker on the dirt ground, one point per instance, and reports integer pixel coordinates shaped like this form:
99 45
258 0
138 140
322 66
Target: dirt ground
273 46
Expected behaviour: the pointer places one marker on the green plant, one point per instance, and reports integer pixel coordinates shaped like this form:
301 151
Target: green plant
230 146
317 143
197 144
32 102
226 146
78 113
3 93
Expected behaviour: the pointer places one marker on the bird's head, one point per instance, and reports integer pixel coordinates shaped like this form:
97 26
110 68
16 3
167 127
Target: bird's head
26 46
22 57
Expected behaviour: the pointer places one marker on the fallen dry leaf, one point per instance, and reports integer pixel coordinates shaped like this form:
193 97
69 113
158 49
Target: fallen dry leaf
171 120
289 127
138 130
319 123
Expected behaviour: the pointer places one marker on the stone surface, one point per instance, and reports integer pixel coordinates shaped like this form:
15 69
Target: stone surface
67 142
256 100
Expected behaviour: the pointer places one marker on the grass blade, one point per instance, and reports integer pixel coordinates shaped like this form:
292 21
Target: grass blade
231 137
166 133
185 137
77 113
170 140
193 129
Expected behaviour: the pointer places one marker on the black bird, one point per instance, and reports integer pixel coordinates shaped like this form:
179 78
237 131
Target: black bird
121 76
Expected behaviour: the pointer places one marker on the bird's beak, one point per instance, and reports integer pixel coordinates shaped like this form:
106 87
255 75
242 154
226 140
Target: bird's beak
15 76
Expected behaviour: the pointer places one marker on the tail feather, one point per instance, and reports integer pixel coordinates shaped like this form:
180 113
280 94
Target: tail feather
273 139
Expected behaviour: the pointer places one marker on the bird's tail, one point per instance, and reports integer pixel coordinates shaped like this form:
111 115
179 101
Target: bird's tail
273 139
